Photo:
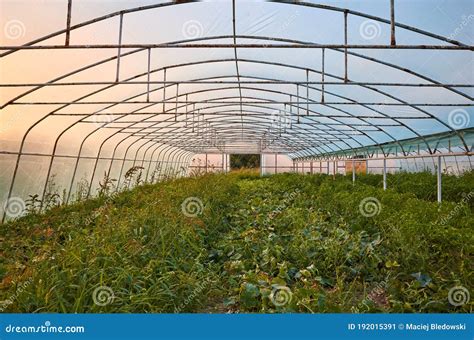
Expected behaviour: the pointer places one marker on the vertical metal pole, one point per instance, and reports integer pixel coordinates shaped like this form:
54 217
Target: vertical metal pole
298 101
392 23
438 170
222 162
194 113
291 111
327 167
164 88
345 48
367 166
384 173
206 163
311 167
307 92
322 76
261 164
176 105
68 21
148 77
353 171
186 110
276 163
119 51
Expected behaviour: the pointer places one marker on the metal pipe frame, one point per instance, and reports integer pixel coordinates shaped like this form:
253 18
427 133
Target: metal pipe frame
320 140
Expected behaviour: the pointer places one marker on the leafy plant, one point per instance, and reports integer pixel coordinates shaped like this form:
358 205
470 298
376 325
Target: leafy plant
106 185
33 204
51 197
285 243
135 170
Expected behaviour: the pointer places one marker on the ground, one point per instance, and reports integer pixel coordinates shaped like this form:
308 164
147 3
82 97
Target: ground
243 243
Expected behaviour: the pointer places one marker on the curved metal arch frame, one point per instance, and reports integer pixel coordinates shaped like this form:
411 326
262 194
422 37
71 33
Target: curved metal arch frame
182 94
52 159
167 67
345 11
213 89
289 2
199 62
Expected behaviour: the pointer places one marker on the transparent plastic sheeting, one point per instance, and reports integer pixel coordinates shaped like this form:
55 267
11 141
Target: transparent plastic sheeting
93 89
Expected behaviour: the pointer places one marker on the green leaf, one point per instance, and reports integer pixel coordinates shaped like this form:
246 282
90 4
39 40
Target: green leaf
249 295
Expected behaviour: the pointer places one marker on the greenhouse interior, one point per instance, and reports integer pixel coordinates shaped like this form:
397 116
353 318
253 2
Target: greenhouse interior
236 156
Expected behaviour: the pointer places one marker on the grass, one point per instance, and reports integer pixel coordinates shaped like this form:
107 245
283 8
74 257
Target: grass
285 243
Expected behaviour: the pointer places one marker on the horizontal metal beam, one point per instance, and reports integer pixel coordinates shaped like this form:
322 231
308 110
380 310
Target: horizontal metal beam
263 101
218 82
207 46
452 154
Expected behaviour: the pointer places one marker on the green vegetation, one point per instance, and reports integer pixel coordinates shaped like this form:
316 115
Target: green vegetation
244 243
423 185
238 161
